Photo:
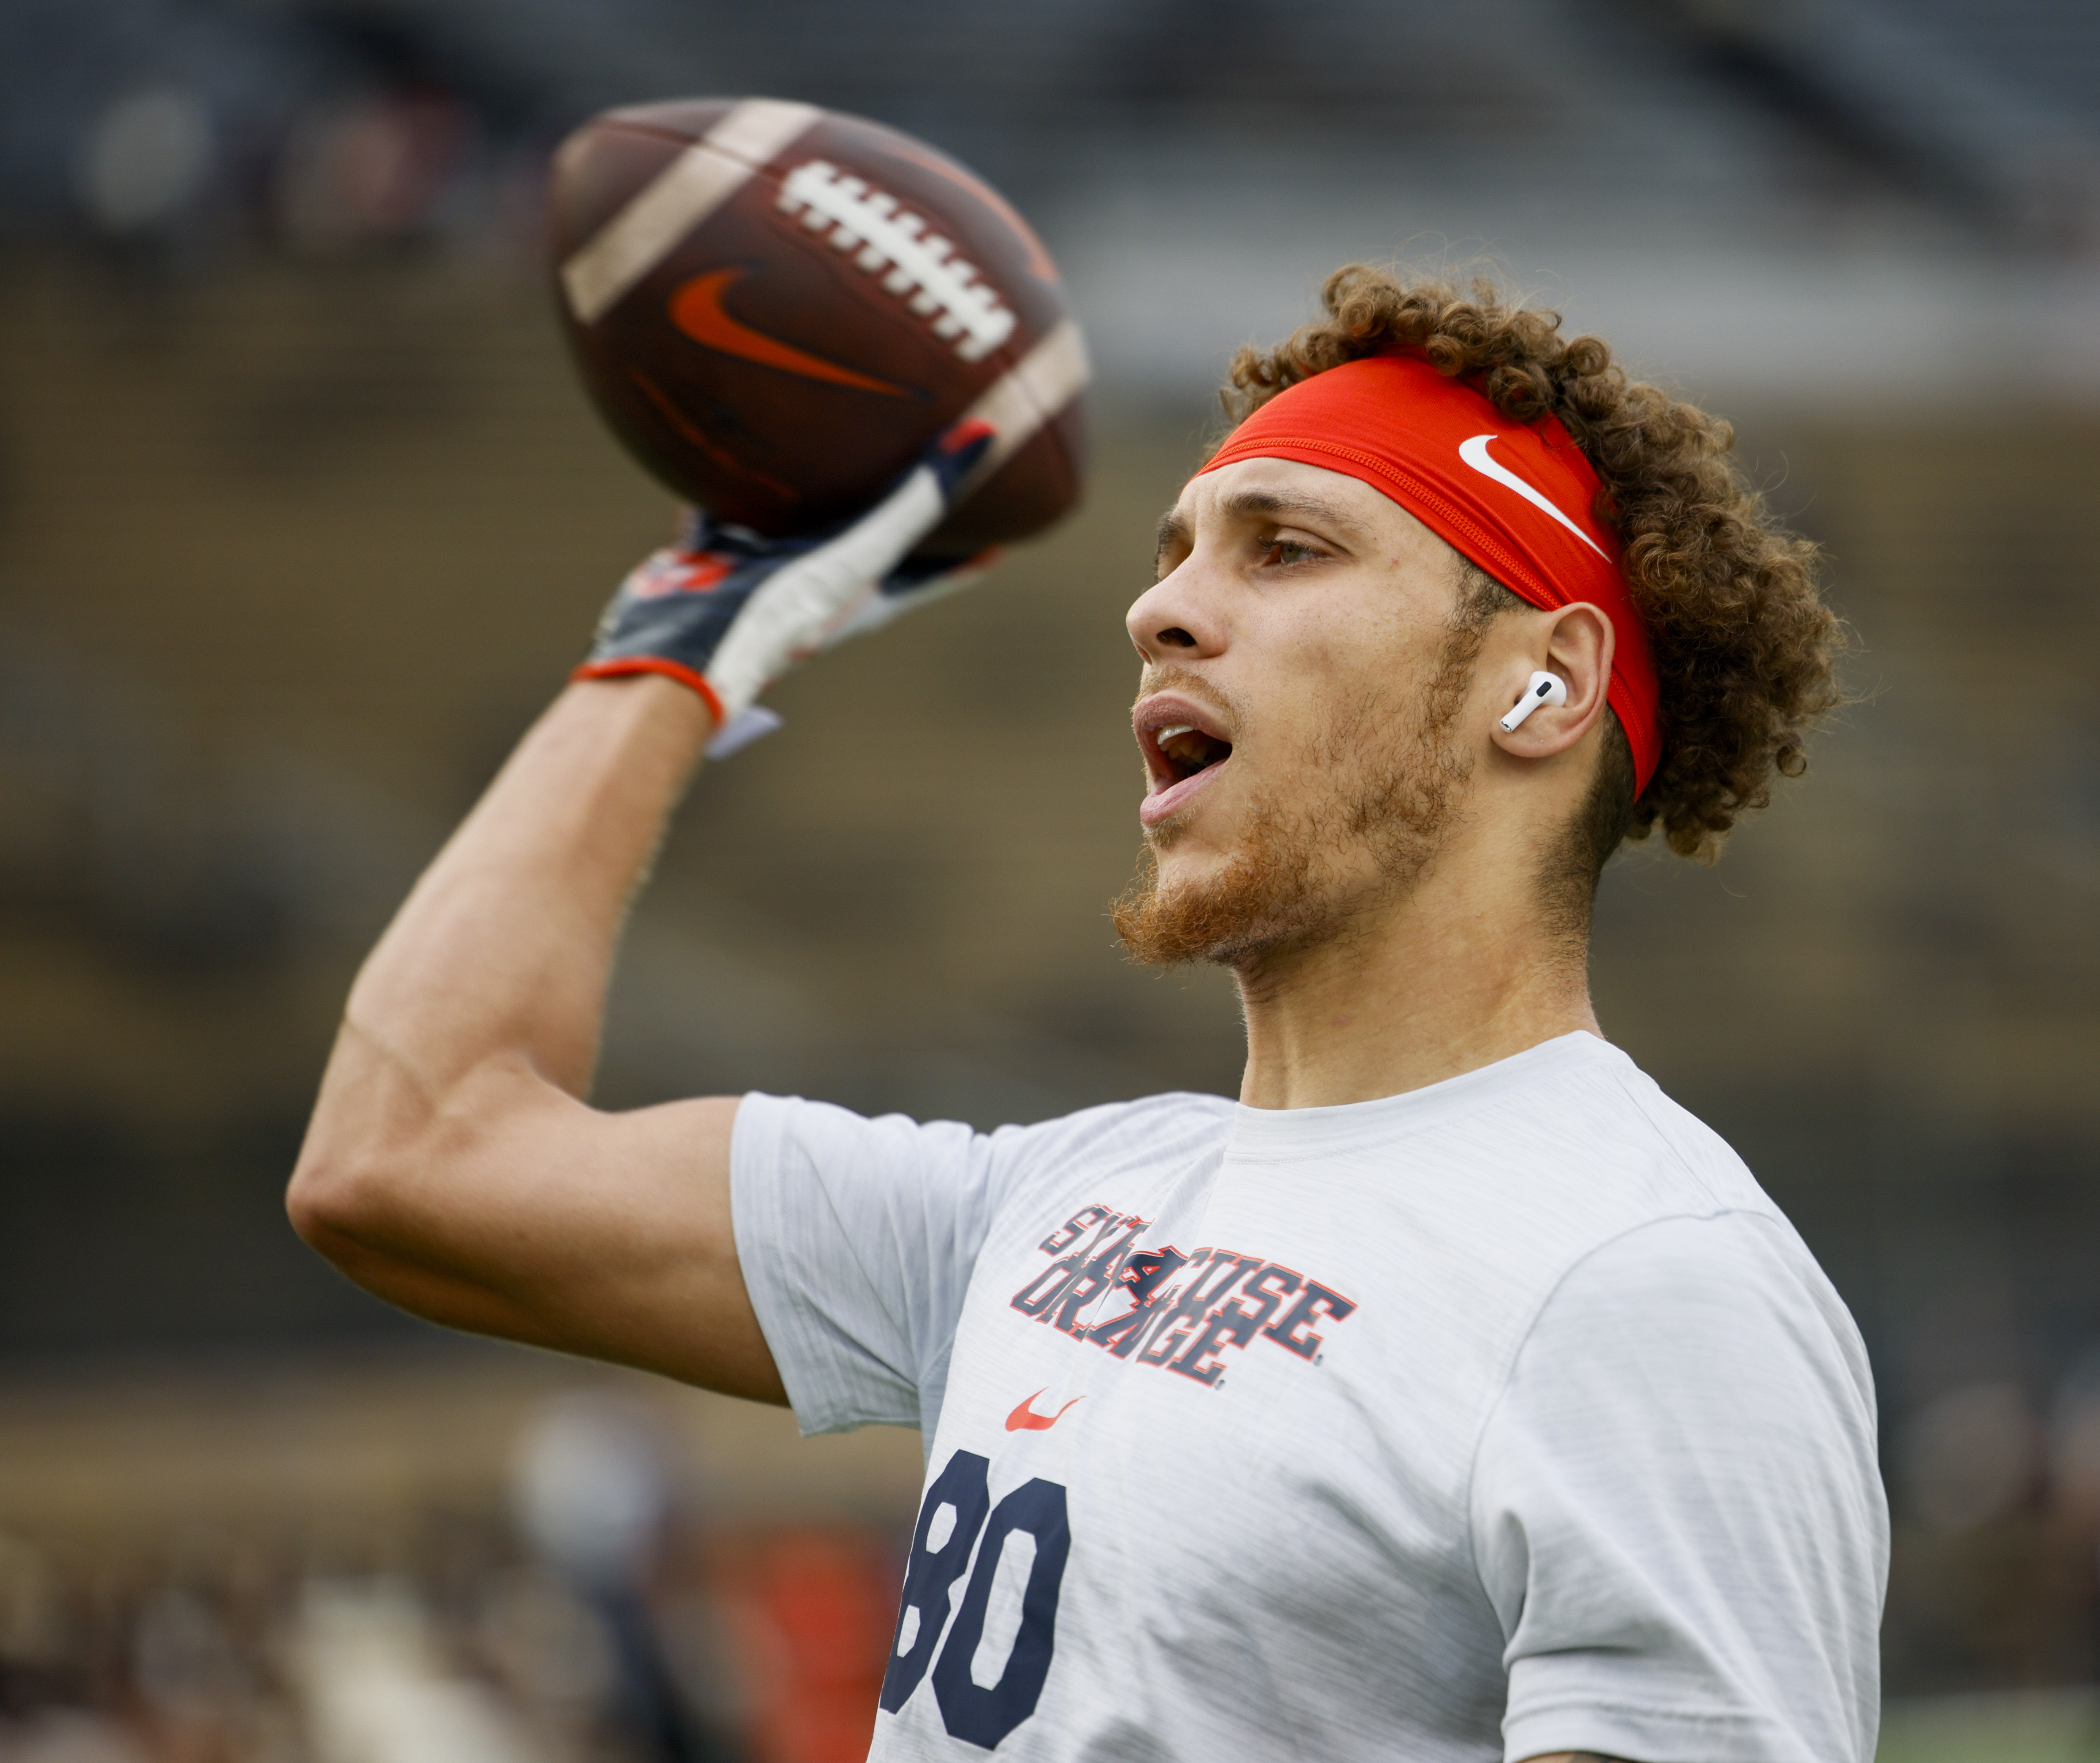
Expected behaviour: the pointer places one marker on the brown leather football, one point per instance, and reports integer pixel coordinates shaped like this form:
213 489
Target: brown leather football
778 308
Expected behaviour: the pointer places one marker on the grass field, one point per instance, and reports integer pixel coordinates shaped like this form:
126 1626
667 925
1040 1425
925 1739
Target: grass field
2037 1726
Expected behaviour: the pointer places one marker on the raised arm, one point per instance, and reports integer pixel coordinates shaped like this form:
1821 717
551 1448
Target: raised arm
453 1165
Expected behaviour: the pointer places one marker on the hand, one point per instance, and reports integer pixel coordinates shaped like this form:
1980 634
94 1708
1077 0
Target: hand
728 611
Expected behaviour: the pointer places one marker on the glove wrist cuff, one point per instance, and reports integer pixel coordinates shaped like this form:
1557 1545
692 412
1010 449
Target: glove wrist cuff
620 667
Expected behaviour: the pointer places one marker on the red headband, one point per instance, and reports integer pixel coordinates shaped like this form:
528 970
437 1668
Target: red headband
1521 511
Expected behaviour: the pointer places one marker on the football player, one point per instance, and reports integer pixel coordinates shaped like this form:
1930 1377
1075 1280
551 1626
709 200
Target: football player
1451 1393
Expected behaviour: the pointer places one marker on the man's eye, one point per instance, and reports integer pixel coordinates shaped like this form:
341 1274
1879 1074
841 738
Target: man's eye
1285 551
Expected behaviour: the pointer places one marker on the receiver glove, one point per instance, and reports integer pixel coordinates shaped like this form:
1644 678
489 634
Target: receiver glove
728 611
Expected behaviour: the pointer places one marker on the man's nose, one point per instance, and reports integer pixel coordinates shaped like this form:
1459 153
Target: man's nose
1168 621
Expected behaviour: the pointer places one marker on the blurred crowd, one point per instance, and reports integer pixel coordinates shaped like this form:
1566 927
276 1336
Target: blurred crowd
327 125
595 1623
600 1616
1995 1579
180 129
370 163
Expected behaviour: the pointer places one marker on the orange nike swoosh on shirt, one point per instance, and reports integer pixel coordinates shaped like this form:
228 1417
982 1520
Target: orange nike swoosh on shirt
1024 1418
696 309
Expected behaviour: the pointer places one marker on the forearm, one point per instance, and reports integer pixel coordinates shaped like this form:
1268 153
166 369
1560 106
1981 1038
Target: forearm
453 1166
496 967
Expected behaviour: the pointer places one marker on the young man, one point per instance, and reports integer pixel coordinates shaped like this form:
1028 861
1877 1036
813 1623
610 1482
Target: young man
1453 1395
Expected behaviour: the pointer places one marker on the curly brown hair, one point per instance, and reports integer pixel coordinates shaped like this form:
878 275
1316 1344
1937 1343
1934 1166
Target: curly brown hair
1743 646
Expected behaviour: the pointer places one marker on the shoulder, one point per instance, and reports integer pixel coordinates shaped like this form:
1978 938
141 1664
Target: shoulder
772 1130
1683 1239
1722 1259
1091 1154
1730 1303
1697 1365
1563 1154
1143 1128
1642 1153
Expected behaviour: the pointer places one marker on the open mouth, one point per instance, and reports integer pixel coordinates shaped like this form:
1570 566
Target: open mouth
1184 746
1188 750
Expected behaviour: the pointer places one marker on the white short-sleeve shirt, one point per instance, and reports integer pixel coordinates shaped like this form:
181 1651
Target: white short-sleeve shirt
1502 1418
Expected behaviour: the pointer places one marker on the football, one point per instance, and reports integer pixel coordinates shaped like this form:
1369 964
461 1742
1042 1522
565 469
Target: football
778 308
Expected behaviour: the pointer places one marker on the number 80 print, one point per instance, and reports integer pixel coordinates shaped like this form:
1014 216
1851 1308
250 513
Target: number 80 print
951 1519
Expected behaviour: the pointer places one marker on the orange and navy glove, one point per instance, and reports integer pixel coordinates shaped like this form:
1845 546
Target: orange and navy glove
727 612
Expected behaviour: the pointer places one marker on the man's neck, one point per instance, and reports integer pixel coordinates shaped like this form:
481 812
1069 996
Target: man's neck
1445 981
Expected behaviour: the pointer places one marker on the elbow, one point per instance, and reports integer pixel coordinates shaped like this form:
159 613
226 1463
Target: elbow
334 1201
378 1187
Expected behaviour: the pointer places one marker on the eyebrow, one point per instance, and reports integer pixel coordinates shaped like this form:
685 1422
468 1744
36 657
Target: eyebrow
1241 503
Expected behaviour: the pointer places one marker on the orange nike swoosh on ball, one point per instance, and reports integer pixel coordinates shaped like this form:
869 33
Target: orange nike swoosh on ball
696 309
1024 1418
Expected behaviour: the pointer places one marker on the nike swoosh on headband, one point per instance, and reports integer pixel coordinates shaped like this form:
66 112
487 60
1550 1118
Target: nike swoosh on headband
1475 453
696 309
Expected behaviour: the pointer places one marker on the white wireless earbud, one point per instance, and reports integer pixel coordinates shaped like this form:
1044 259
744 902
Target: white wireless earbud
1544 689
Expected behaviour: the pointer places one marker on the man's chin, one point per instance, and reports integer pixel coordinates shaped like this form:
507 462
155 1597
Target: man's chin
1189 905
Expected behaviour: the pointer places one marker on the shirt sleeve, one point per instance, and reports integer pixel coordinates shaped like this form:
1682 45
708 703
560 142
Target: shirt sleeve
1677 1512
857 1239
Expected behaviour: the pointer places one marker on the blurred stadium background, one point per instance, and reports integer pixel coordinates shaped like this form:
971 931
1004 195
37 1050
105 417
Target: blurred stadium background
301 517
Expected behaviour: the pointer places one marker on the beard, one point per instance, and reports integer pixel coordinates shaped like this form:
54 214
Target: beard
1382 788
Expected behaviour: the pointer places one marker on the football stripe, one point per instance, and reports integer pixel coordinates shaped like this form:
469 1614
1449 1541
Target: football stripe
759 127
1045 380
688 190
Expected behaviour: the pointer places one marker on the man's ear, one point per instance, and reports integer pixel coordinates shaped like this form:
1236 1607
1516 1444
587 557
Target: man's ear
1575 644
